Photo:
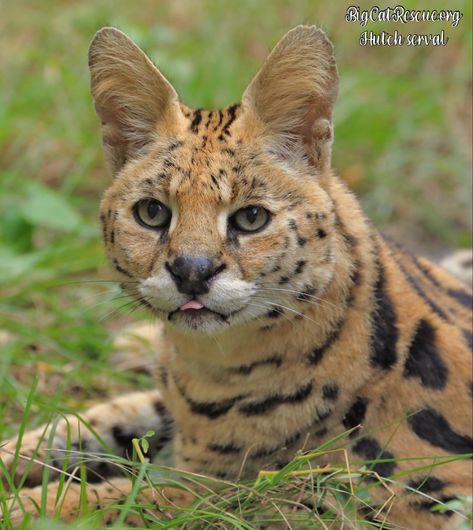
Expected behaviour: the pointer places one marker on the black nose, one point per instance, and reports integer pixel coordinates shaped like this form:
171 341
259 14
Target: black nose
192 274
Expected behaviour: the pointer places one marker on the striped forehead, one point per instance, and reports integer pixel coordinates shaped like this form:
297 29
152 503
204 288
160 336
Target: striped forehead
212 124
205 162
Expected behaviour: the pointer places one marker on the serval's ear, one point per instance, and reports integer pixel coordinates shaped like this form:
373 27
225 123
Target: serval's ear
293 96
135 102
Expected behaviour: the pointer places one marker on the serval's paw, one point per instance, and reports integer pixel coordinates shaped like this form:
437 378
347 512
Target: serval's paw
104 430
105 499
27 467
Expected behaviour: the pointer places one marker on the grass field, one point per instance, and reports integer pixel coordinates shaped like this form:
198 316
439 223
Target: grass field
403 142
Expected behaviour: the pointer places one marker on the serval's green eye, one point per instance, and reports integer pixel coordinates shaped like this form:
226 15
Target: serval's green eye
152 213
250 219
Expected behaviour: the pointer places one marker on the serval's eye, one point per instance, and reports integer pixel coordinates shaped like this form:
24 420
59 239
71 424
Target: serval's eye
250 219
152 213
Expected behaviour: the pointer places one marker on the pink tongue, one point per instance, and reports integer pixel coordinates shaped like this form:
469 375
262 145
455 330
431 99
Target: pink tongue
193 304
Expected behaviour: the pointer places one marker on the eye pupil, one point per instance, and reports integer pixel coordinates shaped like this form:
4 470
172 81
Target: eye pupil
153 209
252 214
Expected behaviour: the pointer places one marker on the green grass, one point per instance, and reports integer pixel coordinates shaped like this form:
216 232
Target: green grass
302 495
403 142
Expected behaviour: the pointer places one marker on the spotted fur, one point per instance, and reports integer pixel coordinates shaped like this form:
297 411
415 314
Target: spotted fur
314 324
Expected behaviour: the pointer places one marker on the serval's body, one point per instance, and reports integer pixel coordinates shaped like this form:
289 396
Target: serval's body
287 318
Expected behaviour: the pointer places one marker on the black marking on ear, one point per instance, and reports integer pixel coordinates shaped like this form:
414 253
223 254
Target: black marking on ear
315 356
321 233
427 484
330 391
246 369
196 120
355 414
384 333
429 425
120 269
225 449
424 360
300 266
262 407
369 449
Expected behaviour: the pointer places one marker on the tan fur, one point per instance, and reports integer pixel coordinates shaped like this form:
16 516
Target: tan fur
326 326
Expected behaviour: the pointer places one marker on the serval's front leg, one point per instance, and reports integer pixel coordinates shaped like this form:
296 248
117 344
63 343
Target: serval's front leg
110 425
105 499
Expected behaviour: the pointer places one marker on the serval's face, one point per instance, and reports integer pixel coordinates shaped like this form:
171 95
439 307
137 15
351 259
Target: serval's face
216 218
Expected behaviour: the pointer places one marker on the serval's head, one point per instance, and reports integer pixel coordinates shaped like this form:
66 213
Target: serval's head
216 218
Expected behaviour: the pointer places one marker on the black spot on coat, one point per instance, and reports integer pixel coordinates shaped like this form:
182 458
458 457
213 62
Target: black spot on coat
210 409
356 414
369 449
330 391
123 438
315 356
462 297
384 333
265 405
431 426
224 449
427 484
299 266
246 369
424 360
